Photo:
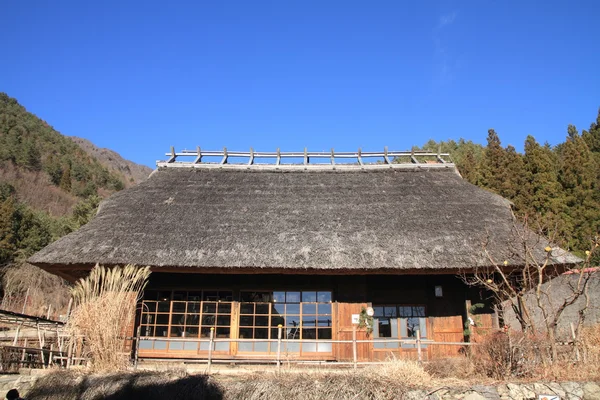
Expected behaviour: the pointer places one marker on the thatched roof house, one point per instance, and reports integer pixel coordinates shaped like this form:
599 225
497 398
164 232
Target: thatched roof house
301 227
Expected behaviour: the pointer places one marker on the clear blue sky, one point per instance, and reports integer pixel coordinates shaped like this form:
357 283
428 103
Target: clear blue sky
138 77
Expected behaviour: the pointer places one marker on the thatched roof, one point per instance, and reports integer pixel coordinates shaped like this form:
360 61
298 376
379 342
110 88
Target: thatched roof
328 220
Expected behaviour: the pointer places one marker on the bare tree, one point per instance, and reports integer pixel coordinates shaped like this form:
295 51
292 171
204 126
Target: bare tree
524 283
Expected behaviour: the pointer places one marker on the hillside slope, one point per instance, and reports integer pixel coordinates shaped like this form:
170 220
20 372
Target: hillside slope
132 172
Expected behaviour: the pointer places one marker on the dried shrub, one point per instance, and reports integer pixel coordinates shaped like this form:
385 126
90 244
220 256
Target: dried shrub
104 313
42 289
456 367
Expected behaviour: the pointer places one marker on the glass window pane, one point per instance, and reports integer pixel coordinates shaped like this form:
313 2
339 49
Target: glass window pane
391 311
193 307
177 331
146 344
177 319
263 309
223 320
162 319
292 297
261 321
209 307
324 297
385 329
246 320
245 346
378 311
309 333
324 321
178 306
308 308
192 319
324 309
412 325
161 331
222 332
262 347
191 331
205 332
308 321
261 333
279 297
246 308
278 309
309 297
292 308
418 311
310 347
147 318
164 306
149 306
292 320
208 319
277 320
224 308
246 333
292 332
405 311
160 345
324 347
324 333
147 331
190 346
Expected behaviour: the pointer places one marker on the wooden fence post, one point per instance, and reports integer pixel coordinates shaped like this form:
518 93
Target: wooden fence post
210 348
279 330
354 350
137 346
419 345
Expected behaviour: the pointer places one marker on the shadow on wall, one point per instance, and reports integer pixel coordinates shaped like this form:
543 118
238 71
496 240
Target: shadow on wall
121 386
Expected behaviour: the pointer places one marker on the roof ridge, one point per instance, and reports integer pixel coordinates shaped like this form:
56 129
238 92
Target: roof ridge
384 159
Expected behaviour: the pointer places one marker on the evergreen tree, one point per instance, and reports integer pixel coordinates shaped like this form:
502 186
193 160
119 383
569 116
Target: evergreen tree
578 176
491 167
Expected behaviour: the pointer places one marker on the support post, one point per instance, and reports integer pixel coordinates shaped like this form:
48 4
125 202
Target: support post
173 156
138 333
16 340
225 155
354 350
385 155
198 159
419 353
251 159
41 344
360 161
575 344
70 355
69 309
279 329
49 311
50 355
25 302
23 353
332 157
306 160
210 348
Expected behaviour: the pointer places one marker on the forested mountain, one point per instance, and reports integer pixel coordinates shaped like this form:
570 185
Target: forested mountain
555 188
49 185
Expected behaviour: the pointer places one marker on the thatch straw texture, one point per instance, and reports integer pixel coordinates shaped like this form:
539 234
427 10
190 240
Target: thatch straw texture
327 220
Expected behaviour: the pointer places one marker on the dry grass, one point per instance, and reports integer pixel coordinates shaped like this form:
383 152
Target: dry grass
45 290
104 313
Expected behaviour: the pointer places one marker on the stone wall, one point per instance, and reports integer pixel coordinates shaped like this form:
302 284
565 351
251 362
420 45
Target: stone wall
513 391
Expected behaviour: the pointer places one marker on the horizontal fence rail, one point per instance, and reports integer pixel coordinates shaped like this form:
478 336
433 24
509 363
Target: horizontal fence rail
418 343
197 157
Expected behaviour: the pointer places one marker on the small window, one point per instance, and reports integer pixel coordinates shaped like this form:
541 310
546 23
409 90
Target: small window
398 321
